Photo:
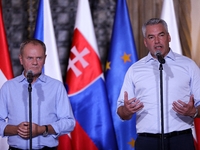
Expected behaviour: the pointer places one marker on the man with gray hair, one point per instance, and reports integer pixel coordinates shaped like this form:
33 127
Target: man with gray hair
52 115
140 93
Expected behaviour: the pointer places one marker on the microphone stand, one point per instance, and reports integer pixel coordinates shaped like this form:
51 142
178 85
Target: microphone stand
161 101
30 114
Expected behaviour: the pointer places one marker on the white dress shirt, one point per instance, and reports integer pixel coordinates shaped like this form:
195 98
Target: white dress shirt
181 79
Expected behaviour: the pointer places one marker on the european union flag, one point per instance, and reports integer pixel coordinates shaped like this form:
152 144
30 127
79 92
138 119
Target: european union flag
122 55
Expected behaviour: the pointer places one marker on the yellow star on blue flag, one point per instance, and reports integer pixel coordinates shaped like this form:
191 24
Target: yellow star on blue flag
132 143
108 65
126 57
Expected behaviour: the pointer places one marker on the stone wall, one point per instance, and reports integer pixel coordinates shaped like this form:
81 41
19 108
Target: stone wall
19 22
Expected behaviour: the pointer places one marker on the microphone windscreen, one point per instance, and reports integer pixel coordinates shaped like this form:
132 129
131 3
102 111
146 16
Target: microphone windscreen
158 53
29 72
29 75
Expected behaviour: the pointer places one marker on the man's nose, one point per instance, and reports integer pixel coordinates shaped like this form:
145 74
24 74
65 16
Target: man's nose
35 61
157 40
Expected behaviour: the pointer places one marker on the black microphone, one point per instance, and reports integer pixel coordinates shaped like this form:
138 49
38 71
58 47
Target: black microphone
160 57
29 75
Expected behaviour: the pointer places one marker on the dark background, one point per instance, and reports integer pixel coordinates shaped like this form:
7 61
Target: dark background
20 16
19 22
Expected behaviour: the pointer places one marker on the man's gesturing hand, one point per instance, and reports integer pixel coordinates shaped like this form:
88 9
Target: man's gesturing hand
183 108
130 107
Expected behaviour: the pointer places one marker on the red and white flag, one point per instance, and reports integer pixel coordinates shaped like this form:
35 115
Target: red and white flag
5 63
5 66
168 14
196 133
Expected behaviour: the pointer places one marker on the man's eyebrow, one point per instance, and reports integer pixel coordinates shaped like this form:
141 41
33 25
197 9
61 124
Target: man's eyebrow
162 32
150 35
158 34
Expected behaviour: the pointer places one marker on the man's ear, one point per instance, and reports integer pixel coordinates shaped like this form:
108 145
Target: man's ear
20 59
145 42
45 58
169 37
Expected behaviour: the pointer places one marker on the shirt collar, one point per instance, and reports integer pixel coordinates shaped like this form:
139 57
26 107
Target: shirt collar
170 55
42 77
21 78
149 57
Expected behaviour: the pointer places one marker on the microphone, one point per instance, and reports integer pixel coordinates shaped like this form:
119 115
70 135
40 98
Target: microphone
160 57
29 75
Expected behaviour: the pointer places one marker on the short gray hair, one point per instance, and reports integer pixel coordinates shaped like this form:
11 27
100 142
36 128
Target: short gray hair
32 41
153 21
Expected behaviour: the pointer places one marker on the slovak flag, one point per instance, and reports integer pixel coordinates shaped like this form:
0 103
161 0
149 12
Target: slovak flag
5 66
86 88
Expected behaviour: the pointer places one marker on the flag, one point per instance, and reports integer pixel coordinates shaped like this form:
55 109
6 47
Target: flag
5 66
196 133
86 88
122 54
44 31
168 14
5 62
